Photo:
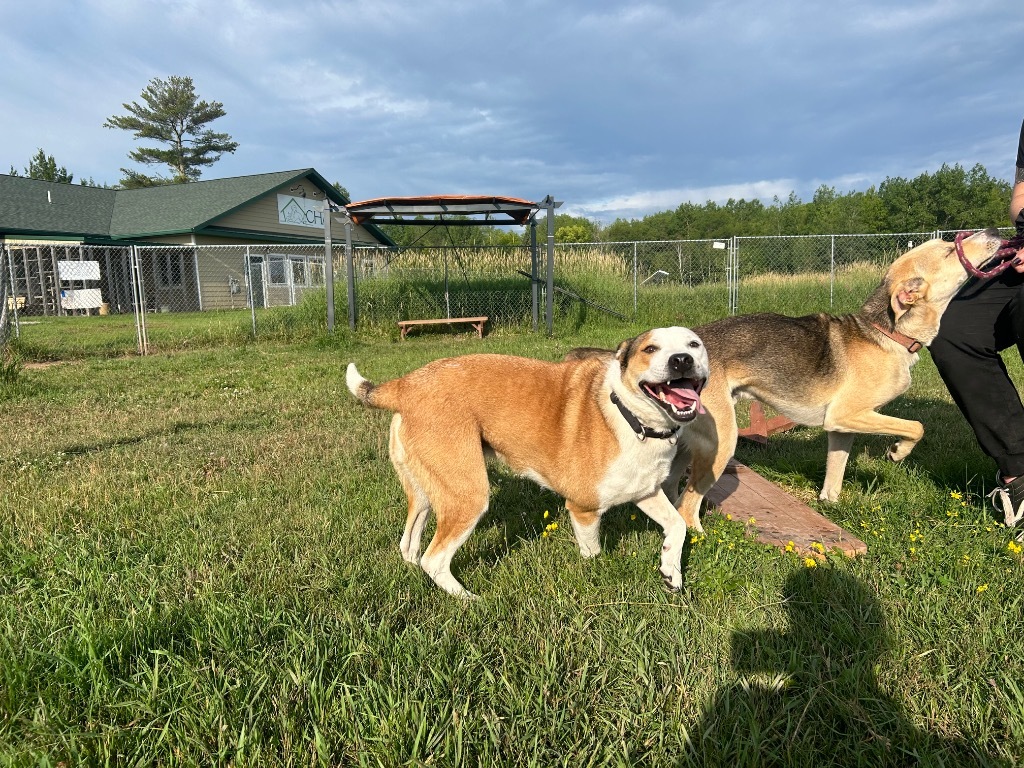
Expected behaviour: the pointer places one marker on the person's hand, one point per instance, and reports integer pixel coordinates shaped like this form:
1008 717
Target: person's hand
1018 262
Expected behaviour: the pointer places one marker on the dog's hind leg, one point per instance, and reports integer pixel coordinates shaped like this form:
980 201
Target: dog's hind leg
416 519
839 444
586 525
419 504
460 499
661 511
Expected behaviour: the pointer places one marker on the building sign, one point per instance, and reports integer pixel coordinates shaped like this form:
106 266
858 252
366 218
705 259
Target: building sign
83 298
78 270
300 211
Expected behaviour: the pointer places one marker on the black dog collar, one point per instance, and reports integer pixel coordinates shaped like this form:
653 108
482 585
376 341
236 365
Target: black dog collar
642 430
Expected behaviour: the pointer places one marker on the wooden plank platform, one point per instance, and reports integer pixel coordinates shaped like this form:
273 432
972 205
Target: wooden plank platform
778 517
478 323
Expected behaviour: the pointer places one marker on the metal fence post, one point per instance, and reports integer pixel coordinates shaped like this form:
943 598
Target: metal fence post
635 268
5 323
329 264
14 293
832 275
351 276
248 282
534 276
139 300
551 205
731 276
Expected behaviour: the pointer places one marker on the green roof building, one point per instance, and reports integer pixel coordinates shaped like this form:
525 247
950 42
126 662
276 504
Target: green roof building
260 236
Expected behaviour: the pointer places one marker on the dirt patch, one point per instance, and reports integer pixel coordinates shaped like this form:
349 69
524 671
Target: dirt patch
47 364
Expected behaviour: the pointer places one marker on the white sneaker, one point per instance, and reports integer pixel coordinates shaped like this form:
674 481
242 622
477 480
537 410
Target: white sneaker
1008 498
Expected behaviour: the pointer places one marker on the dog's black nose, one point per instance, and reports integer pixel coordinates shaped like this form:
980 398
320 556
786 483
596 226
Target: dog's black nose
680 363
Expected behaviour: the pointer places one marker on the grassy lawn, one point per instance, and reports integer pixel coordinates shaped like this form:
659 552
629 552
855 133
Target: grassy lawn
200 565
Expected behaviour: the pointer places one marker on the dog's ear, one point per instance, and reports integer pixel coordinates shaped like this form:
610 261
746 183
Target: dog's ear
905 293
623 352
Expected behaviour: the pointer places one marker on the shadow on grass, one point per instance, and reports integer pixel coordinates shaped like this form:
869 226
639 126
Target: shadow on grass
178 427
809 695
517 511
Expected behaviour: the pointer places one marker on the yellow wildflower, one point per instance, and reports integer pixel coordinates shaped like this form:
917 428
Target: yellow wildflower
983 587
546 513
955 495
819 547
790 546
810 562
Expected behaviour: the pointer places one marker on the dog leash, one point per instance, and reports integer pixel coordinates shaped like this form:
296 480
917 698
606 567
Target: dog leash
911 344
1009 248
641 429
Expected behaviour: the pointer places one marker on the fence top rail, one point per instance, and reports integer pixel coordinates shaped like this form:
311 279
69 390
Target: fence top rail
825 234
655 242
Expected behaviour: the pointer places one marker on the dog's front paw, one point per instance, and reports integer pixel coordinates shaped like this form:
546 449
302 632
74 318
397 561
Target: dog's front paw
900 450
829 494
673 580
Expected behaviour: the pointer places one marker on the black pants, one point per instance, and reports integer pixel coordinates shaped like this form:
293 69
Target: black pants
985 318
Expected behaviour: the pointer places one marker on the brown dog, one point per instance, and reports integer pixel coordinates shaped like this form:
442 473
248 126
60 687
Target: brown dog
821 370
599 432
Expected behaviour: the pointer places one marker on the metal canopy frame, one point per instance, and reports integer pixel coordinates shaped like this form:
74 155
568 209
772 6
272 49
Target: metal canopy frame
492 210
458 211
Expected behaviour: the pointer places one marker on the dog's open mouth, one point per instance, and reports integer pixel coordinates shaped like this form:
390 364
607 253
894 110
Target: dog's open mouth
680 398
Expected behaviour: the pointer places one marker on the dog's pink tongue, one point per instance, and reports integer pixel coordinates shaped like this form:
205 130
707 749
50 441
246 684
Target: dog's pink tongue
684 397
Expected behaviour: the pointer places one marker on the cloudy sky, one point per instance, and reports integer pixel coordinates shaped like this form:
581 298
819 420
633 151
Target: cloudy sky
620 109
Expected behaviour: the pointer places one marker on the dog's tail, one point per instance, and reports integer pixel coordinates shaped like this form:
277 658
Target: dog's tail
358 386
386 395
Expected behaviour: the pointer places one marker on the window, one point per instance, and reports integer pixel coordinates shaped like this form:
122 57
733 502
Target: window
170 268
299 271
276 273
316 272
294 271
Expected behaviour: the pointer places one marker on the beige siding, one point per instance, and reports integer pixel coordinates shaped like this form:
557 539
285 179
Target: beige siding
261 216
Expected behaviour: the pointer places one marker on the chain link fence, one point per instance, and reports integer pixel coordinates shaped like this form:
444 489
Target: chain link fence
412 283
172 297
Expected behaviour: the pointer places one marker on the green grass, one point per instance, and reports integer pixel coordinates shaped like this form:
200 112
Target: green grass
200 566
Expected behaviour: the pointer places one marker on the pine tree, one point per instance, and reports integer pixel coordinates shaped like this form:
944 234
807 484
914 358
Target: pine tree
173 115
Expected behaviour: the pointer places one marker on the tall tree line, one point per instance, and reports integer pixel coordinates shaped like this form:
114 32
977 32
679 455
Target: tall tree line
951 198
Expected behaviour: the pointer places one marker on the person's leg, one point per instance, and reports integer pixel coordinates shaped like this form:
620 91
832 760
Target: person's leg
983 320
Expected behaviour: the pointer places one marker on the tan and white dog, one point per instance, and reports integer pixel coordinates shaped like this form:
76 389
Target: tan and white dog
599 432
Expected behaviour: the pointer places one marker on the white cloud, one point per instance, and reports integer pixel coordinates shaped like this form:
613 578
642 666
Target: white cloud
617 109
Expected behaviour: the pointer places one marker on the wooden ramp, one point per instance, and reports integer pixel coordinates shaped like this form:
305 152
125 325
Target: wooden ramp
778 517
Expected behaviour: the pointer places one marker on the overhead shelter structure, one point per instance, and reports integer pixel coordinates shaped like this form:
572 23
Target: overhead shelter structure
459 211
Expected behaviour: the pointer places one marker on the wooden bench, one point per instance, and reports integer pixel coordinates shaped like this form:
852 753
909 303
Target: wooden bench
404 326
